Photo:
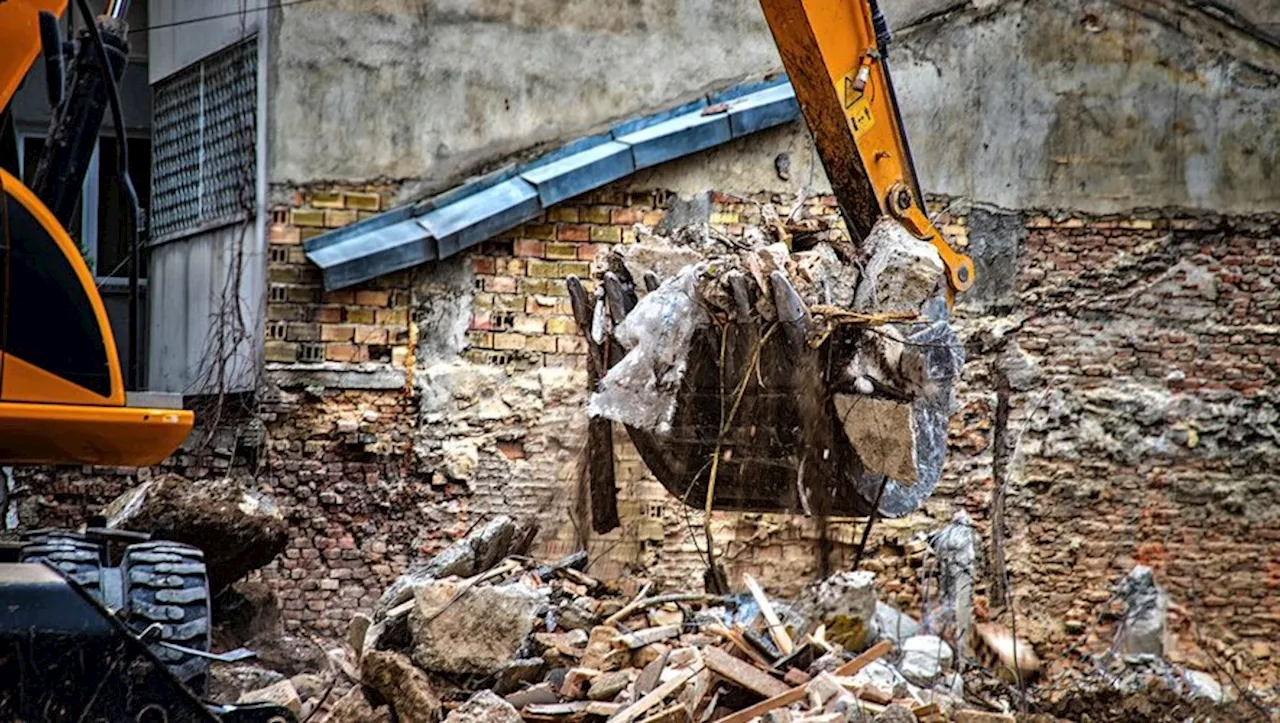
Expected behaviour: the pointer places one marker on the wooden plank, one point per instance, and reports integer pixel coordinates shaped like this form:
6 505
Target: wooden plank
739 640
794 695
776 629
603 708
654 697
651 674
677 713
870 655
743 674
925 710
557 709
641 638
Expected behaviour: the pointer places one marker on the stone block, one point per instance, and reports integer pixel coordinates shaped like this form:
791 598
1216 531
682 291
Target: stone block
479 632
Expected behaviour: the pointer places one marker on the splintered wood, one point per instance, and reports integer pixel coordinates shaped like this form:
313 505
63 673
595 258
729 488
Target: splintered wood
614 653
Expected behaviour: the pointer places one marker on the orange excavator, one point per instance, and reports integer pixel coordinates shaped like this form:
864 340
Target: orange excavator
101 624
62 391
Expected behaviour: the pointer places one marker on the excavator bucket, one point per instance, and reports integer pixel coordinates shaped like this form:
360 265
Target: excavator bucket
750 385
62 397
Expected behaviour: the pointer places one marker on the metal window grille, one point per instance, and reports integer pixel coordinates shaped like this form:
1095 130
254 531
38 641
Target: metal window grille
203 131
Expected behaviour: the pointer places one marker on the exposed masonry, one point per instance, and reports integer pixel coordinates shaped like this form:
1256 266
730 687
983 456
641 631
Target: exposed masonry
1142 353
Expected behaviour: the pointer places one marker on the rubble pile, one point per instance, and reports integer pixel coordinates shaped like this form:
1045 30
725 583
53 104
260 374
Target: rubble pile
548 643
238 529
1135 679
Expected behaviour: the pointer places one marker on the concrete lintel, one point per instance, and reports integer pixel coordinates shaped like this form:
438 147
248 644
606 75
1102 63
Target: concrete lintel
331 375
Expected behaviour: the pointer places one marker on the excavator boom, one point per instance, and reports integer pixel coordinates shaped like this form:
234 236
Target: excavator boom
836 54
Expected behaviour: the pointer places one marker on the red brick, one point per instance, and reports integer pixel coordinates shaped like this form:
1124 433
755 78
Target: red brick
483 265
500 284
587 252
625 216
343 352
562 251
529 247
371 335
287 235
326 314
373 298
337 332
573 232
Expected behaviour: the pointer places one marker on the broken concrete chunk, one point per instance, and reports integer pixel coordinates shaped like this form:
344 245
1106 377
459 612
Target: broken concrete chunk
895 713
924 659
282 694
846 604
659 257
484 707
821 278
880 677
357 631
239 529
1202 686
401 684
882 432
476 631
354 707
605 650
1142 628
517 673
903 272
894 625
608 685
576 682
470 556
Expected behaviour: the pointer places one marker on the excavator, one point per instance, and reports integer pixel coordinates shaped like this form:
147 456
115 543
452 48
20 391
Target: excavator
81 639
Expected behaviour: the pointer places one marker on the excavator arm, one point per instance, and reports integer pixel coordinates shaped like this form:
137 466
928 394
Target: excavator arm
836 54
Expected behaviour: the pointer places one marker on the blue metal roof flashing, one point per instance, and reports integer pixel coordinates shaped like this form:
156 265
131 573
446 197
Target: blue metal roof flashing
484 207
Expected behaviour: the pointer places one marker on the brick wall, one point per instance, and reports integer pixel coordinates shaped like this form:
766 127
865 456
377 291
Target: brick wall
306 325
1147 349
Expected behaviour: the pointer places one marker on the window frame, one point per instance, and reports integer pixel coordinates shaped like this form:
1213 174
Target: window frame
89 204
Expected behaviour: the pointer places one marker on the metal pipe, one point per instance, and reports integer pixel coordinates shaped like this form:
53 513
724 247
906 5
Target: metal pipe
116 9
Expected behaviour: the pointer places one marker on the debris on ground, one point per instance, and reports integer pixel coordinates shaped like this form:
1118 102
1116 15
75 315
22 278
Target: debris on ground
238 529
548 643
482 633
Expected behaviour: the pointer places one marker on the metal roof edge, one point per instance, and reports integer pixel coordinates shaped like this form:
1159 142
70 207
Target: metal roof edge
487 205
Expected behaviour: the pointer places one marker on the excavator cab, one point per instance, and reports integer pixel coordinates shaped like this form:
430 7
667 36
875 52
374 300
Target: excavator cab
62 391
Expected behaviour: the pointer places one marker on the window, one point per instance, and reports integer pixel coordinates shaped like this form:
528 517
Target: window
204 127
97 227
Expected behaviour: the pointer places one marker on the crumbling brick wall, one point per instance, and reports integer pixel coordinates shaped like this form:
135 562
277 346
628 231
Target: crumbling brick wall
1141 352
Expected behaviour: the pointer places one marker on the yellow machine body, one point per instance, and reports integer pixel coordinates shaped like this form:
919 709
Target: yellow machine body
62 396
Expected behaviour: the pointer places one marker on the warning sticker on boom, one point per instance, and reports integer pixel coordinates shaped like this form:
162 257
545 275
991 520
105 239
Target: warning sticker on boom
856 103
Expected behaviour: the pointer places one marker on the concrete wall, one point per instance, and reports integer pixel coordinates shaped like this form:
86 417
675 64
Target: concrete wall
417 89
1094 105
